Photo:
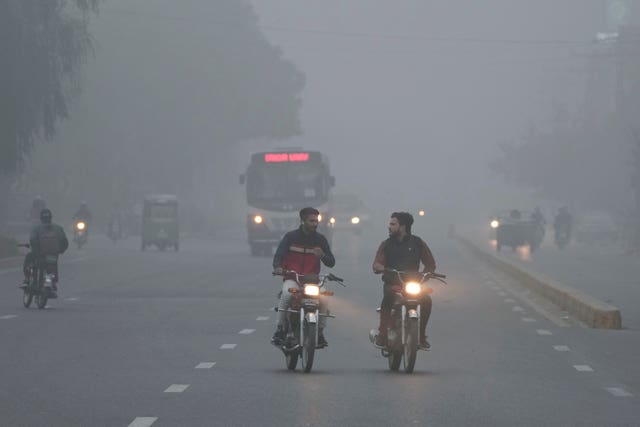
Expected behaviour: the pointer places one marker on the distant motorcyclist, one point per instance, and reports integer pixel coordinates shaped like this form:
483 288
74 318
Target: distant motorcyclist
402 251
538 217
46 239
301 250
115 223
563 223
37 206
83 213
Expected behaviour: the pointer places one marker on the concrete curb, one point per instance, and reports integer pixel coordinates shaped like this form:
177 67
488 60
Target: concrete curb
592 311
10 262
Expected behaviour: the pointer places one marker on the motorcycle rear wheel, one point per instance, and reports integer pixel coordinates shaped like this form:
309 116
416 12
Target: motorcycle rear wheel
27 298
411 346
308 346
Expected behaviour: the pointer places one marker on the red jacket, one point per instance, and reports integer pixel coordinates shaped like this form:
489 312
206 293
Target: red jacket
295 252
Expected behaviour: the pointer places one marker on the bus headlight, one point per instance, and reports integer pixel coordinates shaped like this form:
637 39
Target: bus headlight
319 217
312 290
413 288
258 219
81 225
495 223
355 220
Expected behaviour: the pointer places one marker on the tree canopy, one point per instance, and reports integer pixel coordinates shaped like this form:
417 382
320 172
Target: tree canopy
43 45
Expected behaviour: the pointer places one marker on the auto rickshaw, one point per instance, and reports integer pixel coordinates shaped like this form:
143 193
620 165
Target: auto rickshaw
160 222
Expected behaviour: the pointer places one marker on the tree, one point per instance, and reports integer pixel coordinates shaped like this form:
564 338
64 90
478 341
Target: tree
43 45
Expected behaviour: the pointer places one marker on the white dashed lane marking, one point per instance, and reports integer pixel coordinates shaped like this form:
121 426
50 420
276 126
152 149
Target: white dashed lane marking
528 319
509 300
561 348
8 316
71 299
262 318
246 331
176 388
583 368
518 308
227 346
618 392
143 421
205 365
502 294
543 332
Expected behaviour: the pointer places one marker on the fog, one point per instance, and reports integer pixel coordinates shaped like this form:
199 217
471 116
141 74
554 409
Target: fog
410 101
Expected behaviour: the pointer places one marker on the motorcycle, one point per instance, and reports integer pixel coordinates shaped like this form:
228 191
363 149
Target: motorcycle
80 233
42 274
301 325
403 334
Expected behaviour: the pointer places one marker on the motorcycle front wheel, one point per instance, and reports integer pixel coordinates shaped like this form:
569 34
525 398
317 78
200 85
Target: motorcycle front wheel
292 360
308 346
27 298
411 346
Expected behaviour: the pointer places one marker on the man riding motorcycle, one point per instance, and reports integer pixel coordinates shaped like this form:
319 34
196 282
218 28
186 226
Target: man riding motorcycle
83 213
563 222
301 250
402 251
46 239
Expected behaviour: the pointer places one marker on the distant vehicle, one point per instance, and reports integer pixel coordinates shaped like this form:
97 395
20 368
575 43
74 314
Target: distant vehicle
348 213
596 228
517 229
278 184
160 222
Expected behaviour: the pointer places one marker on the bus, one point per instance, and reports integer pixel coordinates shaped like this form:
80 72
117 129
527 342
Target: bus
278 184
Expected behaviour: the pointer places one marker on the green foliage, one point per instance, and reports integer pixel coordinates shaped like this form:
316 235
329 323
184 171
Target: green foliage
43 45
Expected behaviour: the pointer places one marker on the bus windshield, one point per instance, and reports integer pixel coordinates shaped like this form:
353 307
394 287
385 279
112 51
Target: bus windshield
297 184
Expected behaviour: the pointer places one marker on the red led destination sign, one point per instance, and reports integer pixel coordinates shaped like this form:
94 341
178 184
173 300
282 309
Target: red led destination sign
286 157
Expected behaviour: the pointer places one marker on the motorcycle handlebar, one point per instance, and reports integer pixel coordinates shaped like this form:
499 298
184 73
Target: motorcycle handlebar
23 245
331 277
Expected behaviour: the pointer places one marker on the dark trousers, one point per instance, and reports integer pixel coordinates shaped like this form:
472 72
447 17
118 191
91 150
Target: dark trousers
387 304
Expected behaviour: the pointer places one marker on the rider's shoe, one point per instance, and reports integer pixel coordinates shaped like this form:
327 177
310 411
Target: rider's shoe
322 342
424 344
24 285
278 337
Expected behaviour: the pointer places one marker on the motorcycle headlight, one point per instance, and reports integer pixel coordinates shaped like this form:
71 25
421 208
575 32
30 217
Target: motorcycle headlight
258 219
355 220
312 290
332 220
413 288
81 226
495 223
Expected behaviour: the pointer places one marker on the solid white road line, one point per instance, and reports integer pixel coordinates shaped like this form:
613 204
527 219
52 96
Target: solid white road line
618 392
143 421
246 331
583 368
528 319
543 332
205 365
561 348
262 318
176 388
227 346
8 316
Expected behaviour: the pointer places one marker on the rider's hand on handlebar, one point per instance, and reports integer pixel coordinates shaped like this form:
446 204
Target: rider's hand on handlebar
378 268
278 271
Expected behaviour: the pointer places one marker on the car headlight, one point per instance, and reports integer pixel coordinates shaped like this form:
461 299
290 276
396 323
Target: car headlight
413 288
258 219
313 290
495 223
355 220
81 226
332 220
421 213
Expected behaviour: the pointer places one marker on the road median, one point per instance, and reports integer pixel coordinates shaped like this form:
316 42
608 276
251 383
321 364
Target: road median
590 310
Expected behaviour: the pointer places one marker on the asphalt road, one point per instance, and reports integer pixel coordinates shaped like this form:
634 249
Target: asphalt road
181 339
